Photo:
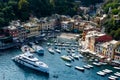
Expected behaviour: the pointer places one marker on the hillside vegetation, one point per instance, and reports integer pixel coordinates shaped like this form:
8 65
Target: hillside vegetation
23 9
112 24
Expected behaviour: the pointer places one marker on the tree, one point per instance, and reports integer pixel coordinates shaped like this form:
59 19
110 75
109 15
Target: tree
22 4
117 34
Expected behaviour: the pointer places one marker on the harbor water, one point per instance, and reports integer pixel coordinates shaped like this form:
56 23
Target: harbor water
58 70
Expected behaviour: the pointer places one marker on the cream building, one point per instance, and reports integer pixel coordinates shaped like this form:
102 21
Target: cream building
32 29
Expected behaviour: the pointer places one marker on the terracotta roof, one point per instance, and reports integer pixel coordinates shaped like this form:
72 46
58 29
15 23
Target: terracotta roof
104 38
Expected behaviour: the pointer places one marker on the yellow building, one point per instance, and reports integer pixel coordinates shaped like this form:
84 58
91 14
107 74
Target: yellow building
117 52
104 48
32 28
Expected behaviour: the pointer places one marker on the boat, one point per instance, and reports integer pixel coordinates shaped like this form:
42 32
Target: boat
36 42
27 59
113 77
80 56
51 50
96 60
117 74
101 73
58 50
68 42
67 64
75 56
73 51
71 57
79 68
67 58
68 51
27 48
107 71
118 68
48 44
85 66
103 63
90 66
97 64
38 49
73 48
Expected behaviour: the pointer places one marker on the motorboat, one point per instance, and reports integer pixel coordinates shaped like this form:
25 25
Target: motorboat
38 49
85 66
27 48
68 51
71 57
113 77
68 42
101 73
73 48
107 71
36 42
67 64
79 68
118 68
90 66
73 51
58 50
67 58
51 50
75 56
80 56
48 44
117 74
27 59
103 63
96 60
97 64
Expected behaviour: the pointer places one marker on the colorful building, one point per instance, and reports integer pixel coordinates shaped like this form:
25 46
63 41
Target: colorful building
117 53
32 29
111 49
102 45
22 33
12 31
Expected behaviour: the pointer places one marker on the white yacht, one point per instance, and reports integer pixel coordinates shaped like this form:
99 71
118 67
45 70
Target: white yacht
27 59
38 49
51 50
